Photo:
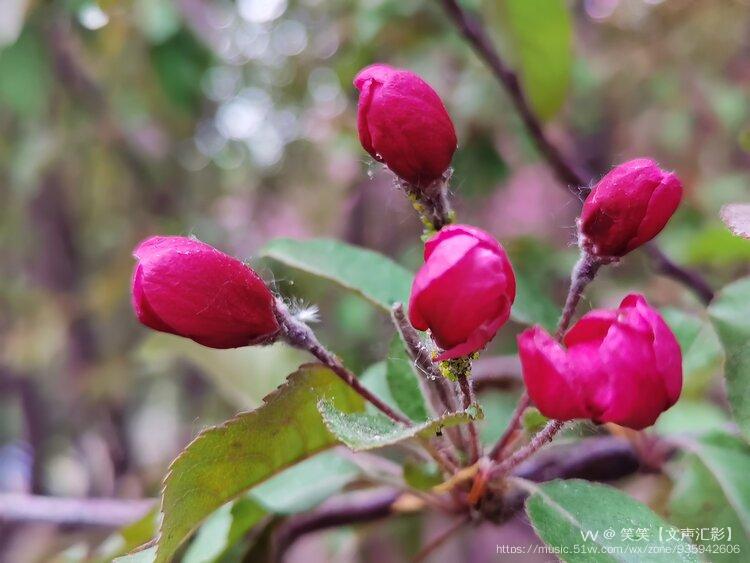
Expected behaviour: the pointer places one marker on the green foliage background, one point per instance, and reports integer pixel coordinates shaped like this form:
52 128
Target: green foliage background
235 122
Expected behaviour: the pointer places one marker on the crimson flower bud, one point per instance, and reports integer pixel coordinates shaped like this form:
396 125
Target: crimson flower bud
403 123
622 366
464 290
627 208
186 287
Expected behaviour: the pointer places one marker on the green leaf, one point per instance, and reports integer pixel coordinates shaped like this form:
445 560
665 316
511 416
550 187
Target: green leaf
365 431
129 537
540 34
728 460
291 491
705 494
717 246
532 421
403 383
479 165
498 407
180 62
375 277
225 461
573 516
702 354
422 476
27 77
730 313
374 379
147 555
691 416
223 529
227 369
531 264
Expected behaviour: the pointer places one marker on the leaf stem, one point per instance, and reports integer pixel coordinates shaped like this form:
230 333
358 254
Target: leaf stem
298 334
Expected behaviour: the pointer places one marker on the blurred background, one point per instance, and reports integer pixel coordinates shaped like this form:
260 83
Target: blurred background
236 122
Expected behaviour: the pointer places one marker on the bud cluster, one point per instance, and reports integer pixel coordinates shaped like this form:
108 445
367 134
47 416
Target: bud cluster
621 366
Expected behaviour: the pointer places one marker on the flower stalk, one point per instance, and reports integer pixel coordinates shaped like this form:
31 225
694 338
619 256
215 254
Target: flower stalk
582 275
299 335
542 438
436 388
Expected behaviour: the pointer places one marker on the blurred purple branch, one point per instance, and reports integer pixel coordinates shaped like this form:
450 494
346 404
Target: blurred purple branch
440 539
689 278
353 508
574 179
599 459
106 512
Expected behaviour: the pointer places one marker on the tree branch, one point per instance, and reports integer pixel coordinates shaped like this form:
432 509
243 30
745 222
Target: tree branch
575 180
106 512
473 31
353 508
688 277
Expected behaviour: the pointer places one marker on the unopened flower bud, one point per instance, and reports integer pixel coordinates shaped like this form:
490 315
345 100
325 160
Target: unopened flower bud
627 208
186 287
622 366
403 123
464 290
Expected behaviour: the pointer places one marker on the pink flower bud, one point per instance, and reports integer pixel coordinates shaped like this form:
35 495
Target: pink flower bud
628 207
186 287
403 123
464 290
622 366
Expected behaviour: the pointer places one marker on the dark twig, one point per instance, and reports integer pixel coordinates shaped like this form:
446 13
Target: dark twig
352 508
601 458
688 277
474 32
574 179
